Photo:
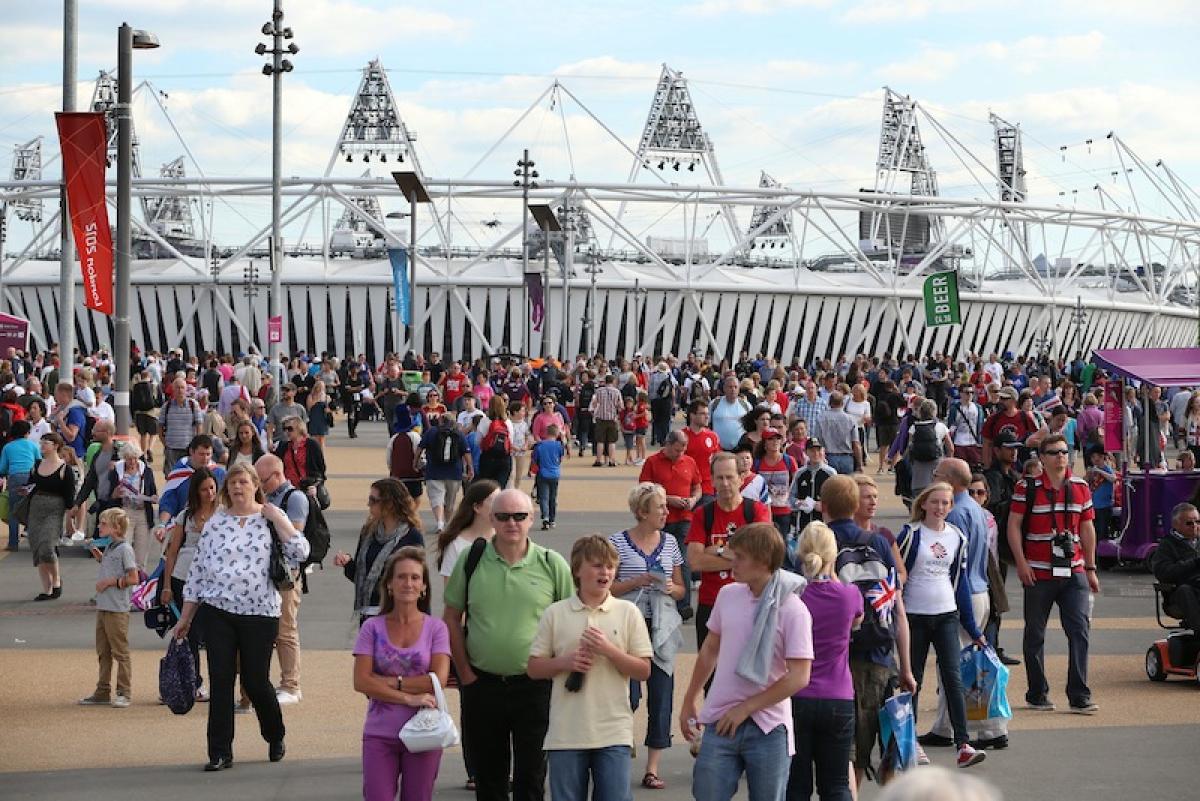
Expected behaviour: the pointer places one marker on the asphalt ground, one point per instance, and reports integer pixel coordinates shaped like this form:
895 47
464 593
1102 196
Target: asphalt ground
1143 741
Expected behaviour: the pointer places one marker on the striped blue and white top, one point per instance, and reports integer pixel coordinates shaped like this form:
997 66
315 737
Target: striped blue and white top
634 562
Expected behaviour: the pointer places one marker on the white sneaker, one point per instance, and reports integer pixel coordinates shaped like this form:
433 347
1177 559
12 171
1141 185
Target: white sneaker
286 697
120 701
201 695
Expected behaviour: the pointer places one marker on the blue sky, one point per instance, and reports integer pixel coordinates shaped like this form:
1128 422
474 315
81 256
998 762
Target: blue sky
789 86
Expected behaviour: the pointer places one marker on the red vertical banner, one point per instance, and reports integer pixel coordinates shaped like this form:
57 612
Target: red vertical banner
1114 416
274 330
84 142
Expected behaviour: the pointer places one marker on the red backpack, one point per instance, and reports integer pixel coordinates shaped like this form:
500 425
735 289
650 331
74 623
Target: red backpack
496 440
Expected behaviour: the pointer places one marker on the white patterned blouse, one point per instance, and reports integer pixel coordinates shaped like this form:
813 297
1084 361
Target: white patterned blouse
230 570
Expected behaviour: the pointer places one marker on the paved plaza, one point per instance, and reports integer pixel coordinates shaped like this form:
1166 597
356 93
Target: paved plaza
1142 742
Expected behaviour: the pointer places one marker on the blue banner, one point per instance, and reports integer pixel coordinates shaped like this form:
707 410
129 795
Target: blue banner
399 258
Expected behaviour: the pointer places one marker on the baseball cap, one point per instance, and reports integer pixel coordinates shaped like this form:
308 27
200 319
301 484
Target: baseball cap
1007 393
1060 409
1006 439
771 433
813 442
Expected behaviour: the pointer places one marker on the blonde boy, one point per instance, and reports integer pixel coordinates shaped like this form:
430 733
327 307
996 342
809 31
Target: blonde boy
600 642
117 576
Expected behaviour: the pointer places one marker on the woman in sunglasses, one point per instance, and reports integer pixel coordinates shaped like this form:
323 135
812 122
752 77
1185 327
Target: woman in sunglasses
303 460
391 524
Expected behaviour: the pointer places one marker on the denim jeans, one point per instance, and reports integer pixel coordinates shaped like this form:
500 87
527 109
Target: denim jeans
824 729
15 482
679 530
583 430
547 497
722 761
660 692
940 631
608 769
843 463
1071 595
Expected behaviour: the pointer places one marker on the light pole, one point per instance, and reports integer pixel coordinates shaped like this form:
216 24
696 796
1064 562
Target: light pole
1079 317
589 318
525 175
570 220
127 40
638 293
279 65
66 264
412 188
544 216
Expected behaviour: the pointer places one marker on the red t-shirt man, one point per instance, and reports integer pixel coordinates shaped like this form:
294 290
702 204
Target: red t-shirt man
679 477
1063 510
723 525
701 446
454 386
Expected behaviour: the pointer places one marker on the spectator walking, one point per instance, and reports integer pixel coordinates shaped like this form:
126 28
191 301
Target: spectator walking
117 576
51 487
179 420
650 575
447 464
603 641
230 576
16 461
1055 555
839 431
547 458
393 656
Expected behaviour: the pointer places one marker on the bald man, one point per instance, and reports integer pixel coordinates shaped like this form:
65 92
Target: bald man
294 503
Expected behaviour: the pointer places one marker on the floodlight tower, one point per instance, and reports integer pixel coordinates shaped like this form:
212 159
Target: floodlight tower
1010 173
776 235
352 231
673 140
27 166
172 216
373 128
104 100
903 168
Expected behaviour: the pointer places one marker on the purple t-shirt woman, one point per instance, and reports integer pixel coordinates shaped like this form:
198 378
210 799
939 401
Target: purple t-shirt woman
833 606
384 719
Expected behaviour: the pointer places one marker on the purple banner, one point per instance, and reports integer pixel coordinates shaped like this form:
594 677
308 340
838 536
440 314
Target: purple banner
1114 416
537 301
14 333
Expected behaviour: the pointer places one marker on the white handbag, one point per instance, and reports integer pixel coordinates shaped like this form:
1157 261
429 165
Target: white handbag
430 729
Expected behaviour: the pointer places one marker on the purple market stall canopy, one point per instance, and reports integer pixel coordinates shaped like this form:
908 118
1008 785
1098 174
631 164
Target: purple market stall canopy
1164 367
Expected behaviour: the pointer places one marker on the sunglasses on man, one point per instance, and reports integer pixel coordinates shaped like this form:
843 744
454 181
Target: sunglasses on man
504 517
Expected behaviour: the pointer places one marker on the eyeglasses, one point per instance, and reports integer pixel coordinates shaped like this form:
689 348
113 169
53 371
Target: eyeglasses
372 499
1056 452
504 517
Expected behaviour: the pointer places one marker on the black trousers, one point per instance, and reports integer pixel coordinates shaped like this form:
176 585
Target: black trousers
1187 599
505 721
249 640
497 468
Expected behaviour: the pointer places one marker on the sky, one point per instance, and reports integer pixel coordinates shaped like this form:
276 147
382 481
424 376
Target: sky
790 87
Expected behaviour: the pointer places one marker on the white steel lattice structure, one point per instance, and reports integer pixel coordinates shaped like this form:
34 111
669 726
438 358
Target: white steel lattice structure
27 166
1134 273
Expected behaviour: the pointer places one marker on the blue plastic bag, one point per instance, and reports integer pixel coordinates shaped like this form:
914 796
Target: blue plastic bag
898 734
985 683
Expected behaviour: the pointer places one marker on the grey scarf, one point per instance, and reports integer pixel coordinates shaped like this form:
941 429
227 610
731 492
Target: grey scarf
366 577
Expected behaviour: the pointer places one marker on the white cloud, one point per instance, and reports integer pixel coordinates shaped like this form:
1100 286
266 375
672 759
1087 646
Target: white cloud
1028 56
881 11
710 8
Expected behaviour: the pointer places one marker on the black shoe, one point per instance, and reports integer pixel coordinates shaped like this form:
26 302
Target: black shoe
218 763
43 596
935 740
276 751
57 591
1005 659
997 743
687 613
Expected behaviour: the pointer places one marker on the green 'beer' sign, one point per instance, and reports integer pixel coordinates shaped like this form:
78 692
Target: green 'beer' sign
941 299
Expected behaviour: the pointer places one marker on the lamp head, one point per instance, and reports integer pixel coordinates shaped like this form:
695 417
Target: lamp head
144 40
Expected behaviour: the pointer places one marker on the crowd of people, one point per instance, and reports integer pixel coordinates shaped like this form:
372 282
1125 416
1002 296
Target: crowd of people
753 520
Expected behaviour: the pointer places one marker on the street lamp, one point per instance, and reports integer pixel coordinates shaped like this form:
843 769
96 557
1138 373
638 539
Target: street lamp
525 175
275 70
412 188
589 318
127 41
1079 317
543 215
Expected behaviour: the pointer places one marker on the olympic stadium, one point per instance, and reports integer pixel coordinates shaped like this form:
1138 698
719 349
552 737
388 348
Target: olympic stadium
673 259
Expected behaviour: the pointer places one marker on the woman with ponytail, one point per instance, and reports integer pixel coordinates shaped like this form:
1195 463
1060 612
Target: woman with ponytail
823 712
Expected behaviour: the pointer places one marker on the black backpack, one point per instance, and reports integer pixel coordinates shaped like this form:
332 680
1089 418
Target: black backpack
316 531
710 513
6 421
862 566
447 448
665 388
924 446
